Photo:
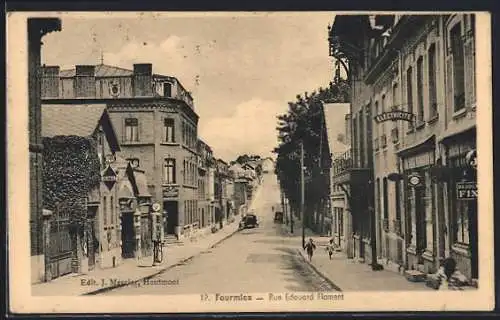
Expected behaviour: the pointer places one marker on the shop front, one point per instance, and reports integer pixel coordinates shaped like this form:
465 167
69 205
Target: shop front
416 163
461 164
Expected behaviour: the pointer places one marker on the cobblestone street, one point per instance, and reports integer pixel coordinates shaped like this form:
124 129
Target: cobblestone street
263 259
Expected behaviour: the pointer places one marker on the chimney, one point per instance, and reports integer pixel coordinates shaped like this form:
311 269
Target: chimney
143 80
85 82
50 82
348 129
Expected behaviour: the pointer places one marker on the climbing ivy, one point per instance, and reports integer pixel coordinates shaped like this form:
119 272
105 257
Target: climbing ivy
71 169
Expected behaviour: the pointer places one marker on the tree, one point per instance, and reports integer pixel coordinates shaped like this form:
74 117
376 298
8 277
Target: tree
304 122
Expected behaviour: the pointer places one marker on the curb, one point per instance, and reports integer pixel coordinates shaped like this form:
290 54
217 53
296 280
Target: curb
321 274
160 271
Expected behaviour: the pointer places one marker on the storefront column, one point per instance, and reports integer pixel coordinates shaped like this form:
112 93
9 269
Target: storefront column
349 241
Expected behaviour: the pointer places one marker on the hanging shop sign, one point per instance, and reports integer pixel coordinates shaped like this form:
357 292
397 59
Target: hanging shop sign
156 207
466 190
415 180
395 115
109 177
471 158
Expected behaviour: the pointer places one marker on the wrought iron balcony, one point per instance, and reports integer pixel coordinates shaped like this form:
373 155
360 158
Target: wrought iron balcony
345 170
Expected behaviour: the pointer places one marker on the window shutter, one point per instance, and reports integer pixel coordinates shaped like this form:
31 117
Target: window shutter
470 75
450 101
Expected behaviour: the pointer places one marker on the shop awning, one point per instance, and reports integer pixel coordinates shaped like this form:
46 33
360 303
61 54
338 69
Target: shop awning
456 131
419 146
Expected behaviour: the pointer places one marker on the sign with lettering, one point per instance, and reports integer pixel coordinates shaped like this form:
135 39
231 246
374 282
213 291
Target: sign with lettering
395 115
466 190
170 191
414 180
109 177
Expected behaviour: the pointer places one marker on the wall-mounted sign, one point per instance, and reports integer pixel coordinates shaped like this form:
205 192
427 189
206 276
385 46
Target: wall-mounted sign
170 191
395 115
471 158
109 177
466 190
125 204
414 180
156 207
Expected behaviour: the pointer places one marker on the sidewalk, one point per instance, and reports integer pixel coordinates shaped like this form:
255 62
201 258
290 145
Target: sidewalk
132 270
347 274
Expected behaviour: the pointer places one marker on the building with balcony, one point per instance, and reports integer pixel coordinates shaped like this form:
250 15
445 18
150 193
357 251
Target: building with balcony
349 37
338 135
418 81
156 123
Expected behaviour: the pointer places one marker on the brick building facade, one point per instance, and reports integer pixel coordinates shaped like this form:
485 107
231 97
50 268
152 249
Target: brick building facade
156 124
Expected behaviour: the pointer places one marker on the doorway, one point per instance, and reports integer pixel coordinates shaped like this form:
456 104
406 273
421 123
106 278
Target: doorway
171 208
128 235
421 224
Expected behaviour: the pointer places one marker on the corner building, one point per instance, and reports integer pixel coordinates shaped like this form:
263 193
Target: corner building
156 123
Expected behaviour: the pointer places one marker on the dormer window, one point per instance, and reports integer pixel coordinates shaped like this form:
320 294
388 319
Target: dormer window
167 89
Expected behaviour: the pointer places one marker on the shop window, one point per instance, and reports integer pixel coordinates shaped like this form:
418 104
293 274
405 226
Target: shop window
131 129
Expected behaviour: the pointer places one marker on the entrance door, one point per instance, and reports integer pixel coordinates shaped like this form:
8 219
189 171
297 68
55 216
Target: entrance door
203 222
172 210
128 236
473 238
60 249
91 244
421 228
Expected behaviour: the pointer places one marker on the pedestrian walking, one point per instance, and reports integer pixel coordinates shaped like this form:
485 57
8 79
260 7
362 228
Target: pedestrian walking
310 247
330 248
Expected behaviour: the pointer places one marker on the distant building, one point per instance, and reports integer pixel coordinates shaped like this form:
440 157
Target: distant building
336 121
156 123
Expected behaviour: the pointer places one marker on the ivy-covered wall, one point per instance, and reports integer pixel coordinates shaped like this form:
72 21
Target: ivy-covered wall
71 169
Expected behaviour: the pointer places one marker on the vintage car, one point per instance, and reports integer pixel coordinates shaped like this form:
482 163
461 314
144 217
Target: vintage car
249 221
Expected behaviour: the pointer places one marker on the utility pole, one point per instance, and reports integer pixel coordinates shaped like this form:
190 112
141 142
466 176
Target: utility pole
302 193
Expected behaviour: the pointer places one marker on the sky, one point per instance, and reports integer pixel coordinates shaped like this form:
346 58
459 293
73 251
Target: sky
242 69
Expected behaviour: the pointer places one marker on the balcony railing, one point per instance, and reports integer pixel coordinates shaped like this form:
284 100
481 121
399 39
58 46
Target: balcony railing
342 162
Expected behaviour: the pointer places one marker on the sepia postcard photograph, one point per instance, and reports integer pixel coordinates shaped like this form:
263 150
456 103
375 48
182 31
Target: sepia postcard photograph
173 162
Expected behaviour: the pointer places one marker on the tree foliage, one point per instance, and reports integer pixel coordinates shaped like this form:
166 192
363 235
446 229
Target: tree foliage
71 169
304 122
